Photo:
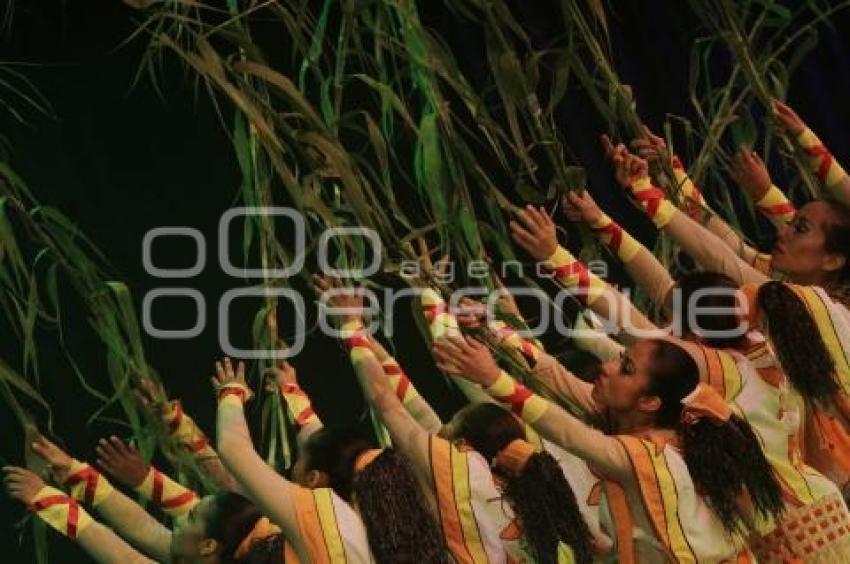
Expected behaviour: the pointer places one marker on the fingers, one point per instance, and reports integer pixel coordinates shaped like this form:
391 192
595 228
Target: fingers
521 236
322 284
473 343
448 352
220 374
446 358
105 450
607 146
240 371
14 474
120 446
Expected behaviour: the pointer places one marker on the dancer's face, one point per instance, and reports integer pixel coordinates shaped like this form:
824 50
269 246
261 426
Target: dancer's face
622 383
799 251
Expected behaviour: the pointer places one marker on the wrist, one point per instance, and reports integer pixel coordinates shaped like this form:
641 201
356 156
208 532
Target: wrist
558 258
86 484
234 392
758 191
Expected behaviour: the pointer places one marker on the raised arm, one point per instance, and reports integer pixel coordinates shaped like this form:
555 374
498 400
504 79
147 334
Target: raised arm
472 360
183 429
404 389
641 265
822 163
87 485
284 379
125 463
64 514
701 244
535 232
271 492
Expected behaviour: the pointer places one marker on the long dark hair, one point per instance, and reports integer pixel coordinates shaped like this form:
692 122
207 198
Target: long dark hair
232 518
728 324
399 525
836 236
724 459
797 342
540 496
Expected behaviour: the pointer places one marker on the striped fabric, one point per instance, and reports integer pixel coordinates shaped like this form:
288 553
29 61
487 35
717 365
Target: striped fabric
472 514
331 531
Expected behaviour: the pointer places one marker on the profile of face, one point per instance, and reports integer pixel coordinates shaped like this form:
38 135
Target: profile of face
800 252
621 385
189 540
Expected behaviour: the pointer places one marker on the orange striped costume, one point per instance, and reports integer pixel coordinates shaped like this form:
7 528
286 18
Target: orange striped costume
647 502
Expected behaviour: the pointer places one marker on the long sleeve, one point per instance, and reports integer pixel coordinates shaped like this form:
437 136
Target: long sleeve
612 306
441 323
301 410
410 437
639 262
590 339
136 525
825 166
697 208
271 492
565 387
64 514
604 452
709 251
172 497
183 429
105 547
127 517
405 391
701 244
776 207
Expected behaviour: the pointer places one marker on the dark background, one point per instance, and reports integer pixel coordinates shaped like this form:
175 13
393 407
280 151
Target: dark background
120 161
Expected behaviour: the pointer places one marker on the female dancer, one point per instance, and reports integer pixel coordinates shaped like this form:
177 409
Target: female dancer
478 525
811 251
744 370
352 485
674 438
223 527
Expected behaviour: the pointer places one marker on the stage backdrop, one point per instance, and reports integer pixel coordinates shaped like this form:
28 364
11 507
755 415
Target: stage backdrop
120 159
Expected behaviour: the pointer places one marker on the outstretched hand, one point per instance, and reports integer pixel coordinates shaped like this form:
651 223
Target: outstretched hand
122 461
535 232
787 118
349 301
630 168
580 206
750 173
280 376
467 357
649 146
225 376
57 460
612 151
21 484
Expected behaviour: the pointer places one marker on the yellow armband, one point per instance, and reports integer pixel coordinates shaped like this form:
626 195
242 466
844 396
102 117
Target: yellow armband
60 511
821 161
517 397
652 200
87 484
573 275
172 497
623 245
775 205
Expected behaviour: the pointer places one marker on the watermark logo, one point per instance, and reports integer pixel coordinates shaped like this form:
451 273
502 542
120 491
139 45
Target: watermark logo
378 306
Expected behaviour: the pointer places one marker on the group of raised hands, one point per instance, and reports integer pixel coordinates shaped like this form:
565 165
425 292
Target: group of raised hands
119 459
533 229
